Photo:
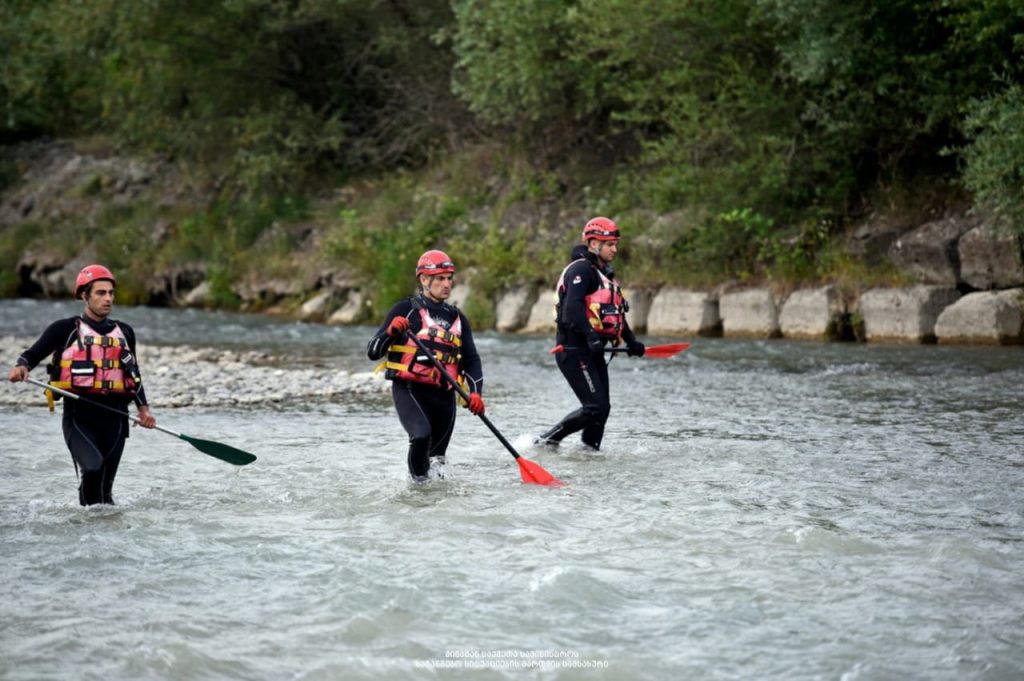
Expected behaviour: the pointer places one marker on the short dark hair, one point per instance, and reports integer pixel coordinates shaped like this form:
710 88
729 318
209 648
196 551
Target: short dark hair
87 288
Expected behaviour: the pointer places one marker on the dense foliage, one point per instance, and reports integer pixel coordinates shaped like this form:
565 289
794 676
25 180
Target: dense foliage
759 126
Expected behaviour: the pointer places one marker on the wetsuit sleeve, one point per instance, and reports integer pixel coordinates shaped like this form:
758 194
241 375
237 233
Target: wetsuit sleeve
129 335
472 368
580 281
381 341
54 338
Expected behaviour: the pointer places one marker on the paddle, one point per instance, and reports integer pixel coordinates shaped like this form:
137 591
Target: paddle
214 449
652 351
532 473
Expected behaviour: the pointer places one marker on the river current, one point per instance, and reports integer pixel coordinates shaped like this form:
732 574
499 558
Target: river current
759 510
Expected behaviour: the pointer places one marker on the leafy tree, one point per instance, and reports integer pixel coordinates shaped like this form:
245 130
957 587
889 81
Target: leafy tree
257 91
995 156
989 37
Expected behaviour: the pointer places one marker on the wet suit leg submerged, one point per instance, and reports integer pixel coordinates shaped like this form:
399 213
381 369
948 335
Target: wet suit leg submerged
589 380
96 440
428 416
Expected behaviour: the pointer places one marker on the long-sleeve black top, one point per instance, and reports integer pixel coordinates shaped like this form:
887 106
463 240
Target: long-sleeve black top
444 315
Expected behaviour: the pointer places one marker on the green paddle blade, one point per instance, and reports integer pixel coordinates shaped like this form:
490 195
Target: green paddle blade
220 451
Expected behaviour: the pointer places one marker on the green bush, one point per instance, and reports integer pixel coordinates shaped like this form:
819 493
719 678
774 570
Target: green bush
382 246
995 154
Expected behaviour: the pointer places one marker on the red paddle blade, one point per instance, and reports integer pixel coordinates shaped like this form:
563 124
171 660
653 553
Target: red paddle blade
667 350
534 474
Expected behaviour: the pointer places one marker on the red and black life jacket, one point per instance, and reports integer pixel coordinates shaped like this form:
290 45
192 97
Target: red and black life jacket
97 364
605 307
406 362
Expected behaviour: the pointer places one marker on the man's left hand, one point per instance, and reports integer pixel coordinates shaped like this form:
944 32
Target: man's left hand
146 419
476 404
635 349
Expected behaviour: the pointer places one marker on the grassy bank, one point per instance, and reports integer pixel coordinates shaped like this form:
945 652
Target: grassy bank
505 221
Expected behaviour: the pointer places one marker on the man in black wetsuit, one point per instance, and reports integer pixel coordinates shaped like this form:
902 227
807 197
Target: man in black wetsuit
94 356
423 398
590 313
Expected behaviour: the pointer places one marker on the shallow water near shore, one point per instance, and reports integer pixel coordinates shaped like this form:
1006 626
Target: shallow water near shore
760 509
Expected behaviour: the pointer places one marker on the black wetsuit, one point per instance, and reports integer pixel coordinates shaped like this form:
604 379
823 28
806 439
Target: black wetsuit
94 435
427 412
585 370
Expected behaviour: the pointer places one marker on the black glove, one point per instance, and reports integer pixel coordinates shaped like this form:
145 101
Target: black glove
635 349
595 345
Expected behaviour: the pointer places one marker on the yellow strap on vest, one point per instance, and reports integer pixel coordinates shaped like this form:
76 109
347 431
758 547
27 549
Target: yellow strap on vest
98 385
49 399
101 363
443 357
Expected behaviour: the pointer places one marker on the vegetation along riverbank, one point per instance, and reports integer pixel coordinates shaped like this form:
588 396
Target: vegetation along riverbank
854 174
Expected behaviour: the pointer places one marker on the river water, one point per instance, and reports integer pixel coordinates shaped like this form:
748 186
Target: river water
760 510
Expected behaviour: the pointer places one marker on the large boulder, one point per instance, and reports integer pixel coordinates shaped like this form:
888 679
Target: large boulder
680 311
53 276
811 313
929 253
354 309
316 308
639 301
513 308
168 286
991 258
751 313
42 273
461 292
200 296
904 315
988 317
260 292
542 315
871 240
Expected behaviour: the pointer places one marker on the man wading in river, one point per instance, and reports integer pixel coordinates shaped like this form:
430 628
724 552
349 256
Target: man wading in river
94 356
590 313
423 397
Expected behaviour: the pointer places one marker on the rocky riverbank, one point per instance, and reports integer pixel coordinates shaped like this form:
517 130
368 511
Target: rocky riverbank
961 276
195 376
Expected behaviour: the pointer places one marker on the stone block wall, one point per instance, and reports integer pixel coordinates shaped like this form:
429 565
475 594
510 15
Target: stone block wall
983 317
811 313
752 313
907 315
679 311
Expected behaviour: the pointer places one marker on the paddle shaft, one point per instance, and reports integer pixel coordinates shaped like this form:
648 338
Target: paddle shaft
73 396
659 351
458 388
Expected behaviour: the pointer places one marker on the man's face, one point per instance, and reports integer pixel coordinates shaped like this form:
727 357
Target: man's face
100 299
438 286
605 250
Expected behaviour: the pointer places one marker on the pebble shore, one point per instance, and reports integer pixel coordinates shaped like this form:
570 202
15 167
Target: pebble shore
191 376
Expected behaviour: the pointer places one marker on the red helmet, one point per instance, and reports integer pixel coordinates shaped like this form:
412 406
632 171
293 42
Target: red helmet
435 262
91 273
601 229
